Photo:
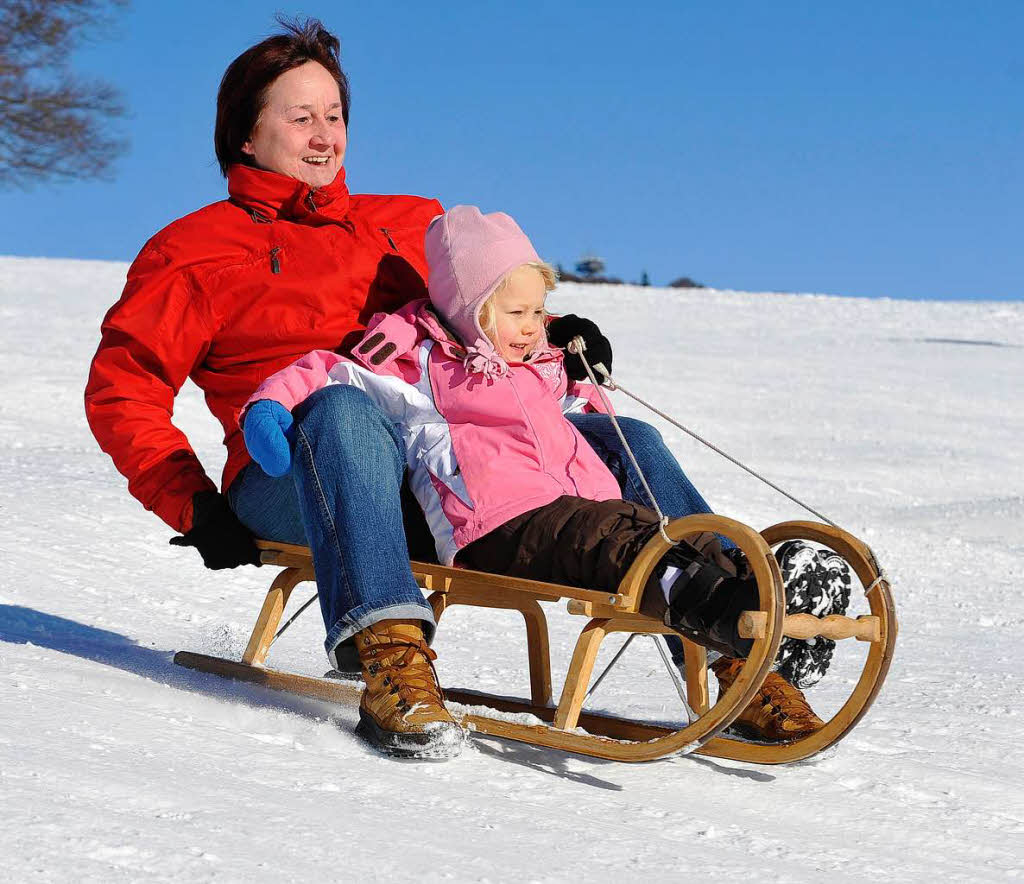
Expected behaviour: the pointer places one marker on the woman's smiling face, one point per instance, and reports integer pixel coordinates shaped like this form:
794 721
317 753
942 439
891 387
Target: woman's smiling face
300 131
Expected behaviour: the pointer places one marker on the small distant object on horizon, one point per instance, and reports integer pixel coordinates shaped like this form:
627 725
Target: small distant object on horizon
591 264
565 276
684 282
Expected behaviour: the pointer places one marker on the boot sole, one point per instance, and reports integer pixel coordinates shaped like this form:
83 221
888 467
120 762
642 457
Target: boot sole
748 734
803 664
440 744
818 583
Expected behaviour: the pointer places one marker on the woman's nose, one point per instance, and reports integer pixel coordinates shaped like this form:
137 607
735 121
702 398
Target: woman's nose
321 136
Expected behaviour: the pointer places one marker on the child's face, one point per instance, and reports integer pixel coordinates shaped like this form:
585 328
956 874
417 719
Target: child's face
519 314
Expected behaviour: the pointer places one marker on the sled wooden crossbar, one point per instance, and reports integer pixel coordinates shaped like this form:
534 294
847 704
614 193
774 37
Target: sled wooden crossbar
567 725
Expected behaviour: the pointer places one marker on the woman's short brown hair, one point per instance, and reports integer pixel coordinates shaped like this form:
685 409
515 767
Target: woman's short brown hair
243 89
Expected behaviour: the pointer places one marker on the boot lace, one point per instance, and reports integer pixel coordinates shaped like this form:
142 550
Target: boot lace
409 672
782 704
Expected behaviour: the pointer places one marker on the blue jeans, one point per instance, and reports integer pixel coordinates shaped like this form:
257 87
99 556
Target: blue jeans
343 499
675 493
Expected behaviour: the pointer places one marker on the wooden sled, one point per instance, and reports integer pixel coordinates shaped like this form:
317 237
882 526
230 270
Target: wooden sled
567 726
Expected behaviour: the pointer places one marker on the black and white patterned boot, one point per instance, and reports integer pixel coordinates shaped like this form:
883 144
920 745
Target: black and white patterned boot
817 582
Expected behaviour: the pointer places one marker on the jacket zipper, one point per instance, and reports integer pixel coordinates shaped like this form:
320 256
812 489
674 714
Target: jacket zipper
391 242
311 201
533 430
275 262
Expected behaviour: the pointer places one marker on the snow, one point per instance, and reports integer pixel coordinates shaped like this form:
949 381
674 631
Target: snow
900 420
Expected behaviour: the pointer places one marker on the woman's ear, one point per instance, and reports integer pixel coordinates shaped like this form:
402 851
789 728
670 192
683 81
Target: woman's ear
247 147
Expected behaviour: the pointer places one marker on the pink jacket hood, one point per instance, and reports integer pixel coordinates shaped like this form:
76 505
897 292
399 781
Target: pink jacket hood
468 254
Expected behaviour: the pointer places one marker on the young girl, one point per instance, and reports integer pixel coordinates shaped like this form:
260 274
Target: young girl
506 482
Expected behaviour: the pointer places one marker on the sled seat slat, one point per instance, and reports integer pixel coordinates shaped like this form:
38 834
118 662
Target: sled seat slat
438 578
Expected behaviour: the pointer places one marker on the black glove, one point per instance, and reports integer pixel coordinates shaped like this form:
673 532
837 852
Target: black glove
563 329
221 539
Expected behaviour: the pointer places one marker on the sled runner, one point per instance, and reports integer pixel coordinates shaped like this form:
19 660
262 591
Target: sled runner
565 724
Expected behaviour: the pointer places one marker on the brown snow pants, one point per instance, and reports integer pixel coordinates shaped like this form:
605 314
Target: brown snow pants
578 542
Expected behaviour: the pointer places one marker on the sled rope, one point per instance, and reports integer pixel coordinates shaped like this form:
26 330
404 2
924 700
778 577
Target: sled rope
614 385
673 673
614 660
577 345
293 618
883 577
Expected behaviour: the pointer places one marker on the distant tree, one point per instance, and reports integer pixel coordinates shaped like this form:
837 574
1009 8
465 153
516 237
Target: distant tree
589 265
54 123
645 279
684 282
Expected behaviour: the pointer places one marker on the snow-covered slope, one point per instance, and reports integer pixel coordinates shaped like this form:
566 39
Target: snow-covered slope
901 420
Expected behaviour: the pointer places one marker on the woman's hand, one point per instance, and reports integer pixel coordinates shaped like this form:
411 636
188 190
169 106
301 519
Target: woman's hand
222 540
563 329
268 433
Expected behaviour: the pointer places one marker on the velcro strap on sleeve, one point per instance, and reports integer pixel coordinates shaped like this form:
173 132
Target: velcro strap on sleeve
386 339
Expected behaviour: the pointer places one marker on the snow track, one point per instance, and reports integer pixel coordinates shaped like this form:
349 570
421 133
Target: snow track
901 420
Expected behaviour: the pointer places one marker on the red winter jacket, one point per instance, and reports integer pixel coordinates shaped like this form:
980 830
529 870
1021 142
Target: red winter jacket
229 295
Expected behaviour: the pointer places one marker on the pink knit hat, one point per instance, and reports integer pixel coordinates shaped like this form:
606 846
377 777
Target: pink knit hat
468 254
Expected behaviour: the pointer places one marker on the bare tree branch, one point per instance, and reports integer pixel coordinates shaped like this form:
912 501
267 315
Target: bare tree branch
54 124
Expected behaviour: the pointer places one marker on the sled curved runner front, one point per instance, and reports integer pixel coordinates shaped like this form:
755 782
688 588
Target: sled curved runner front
566 725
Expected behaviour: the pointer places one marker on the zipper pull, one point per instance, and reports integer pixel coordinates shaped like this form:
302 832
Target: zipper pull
311 200
391 242
275 262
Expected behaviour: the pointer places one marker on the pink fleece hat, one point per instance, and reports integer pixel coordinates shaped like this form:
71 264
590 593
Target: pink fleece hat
468 254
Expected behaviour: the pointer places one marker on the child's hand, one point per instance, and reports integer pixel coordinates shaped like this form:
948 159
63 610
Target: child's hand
268 434
563 329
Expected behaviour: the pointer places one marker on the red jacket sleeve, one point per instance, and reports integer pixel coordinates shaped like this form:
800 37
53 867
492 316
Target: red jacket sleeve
151 340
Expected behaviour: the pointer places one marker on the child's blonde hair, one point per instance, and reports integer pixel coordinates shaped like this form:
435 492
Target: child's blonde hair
486 315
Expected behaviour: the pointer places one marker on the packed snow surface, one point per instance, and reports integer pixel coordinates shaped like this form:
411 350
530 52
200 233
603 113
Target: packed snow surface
902 421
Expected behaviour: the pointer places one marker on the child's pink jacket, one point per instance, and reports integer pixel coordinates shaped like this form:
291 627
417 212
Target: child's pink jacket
480 450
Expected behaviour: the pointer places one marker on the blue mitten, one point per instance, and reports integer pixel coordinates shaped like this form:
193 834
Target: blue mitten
268 433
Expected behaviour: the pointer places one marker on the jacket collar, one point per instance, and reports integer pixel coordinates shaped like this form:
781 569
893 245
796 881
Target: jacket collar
273 196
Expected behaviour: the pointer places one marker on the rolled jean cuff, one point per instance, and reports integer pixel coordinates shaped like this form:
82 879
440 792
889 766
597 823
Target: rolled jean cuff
341 650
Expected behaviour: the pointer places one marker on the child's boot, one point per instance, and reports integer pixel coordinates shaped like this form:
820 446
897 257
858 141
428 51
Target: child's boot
705 601
779 711
402 710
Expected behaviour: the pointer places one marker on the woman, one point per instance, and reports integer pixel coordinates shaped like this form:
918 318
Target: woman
292 262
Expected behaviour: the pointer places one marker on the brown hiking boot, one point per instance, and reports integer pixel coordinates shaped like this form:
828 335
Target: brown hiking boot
402 711
779 712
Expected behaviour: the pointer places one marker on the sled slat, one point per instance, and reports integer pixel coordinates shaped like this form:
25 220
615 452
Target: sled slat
439 578
835 626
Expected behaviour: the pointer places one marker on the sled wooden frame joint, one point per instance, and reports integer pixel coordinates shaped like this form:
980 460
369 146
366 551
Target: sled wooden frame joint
567 725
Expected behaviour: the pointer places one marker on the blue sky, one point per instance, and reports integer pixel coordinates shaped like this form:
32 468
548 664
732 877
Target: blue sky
850 148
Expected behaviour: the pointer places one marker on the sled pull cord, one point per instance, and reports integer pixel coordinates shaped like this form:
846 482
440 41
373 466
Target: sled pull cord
292 619
577 345
614 385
